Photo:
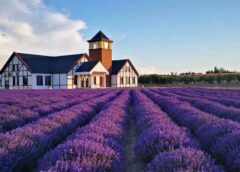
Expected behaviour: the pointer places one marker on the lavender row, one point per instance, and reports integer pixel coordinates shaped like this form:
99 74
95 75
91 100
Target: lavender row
164 144
234 94
210 107
95 147
13 116
39 96
36 99
219 137
225 100
21 148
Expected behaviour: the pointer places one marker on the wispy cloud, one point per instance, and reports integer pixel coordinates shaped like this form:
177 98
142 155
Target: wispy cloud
148 70
30 26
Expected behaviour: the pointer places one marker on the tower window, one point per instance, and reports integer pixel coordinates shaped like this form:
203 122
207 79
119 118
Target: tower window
95 46
106 45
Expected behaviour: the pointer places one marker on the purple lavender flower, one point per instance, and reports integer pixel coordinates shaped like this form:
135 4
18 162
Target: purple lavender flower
183 159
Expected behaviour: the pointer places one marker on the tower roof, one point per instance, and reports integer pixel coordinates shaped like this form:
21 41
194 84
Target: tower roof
100 36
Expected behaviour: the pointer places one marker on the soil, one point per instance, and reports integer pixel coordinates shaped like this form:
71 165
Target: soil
132 162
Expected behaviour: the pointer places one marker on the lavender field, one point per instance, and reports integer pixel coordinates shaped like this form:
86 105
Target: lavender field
153 130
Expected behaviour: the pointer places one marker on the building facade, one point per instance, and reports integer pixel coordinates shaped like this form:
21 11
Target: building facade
96 70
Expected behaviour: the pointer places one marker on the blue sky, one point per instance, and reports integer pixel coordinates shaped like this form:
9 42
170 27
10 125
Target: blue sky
162 36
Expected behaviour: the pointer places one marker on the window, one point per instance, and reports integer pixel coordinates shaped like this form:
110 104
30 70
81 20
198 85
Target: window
87 82
128 80
14 80
101 81
15 67
95 80
95 46
39 80
82 82
134 80
17 81
6 84
48 80
127 68
106 45
25 80
75 80
121 80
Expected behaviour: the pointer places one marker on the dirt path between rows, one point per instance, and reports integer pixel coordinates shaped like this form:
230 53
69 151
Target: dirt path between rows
132 162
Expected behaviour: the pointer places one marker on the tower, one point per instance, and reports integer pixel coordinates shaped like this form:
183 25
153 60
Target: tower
100 49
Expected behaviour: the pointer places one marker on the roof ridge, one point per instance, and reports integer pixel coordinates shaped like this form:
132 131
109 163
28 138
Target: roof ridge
48 56
30 54
70 55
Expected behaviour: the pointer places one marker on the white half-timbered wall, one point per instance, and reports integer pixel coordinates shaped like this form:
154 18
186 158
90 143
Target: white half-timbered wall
58 81
70 76
20 72
126 77
98 68
34 81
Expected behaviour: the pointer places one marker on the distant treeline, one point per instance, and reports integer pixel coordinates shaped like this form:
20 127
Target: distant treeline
193 79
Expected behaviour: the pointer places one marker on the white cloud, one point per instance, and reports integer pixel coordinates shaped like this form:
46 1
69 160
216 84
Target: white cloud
148 70
30 26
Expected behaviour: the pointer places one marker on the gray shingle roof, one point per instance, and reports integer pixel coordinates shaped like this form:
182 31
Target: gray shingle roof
118 64
47 64
87 66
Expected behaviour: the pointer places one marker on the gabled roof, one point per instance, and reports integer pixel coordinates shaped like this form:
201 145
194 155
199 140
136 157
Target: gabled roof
117 65
87 66
100 36
46 64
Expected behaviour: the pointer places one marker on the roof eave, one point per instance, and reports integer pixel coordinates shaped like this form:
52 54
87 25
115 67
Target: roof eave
96 40
127 60
9 60
83 55
82 73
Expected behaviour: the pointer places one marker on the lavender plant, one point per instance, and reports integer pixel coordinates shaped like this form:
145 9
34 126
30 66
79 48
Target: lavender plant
26 144
168 143
207 128
95 147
